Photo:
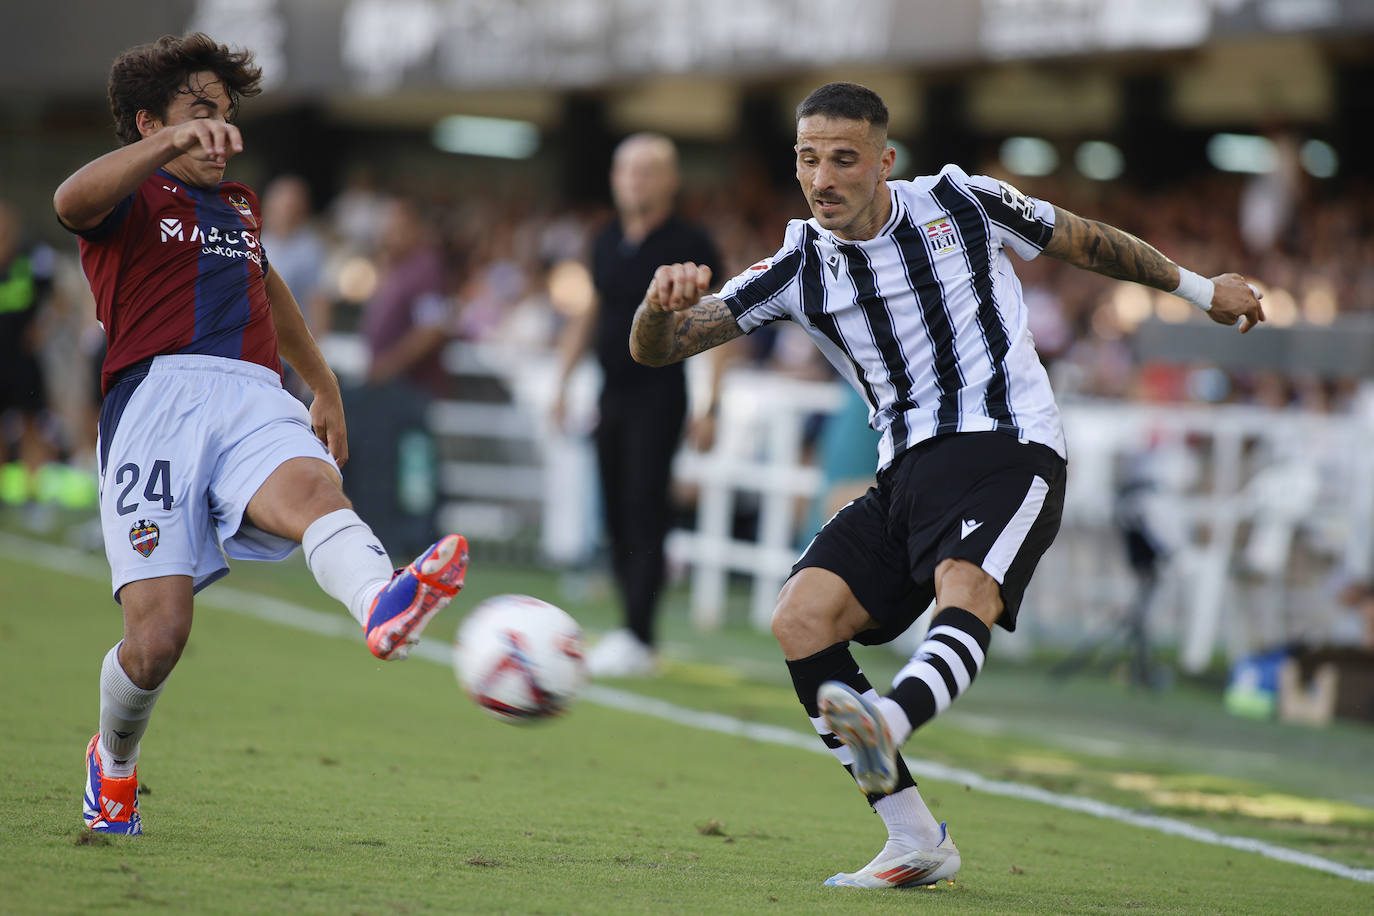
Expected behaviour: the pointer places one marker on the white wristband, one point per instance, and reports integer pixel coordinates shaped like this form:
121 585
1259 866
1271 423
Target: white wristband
1196 288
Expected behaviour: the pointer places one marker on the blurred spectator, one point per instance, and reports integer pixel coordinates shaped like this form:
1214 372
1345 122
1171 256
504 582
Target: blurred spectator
297 253
642 410
26 276
406 322
1269 201
357 213
295 248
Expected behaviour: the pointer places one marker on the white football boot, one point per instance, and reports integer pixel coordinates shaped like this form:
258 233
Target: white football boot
917 868
621 654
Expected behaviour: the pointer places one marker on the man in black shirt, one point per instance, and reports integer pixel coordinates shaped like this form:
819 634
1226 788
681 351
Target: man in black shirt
642 410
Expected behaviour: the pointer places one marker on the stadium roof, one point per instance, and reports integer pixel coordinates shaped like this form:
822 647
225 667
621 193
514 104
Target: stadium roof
376 46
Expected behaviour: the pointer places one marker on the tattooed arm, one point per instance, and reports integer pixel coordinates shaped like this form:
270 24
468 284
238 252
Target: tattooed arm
676 320
1111 252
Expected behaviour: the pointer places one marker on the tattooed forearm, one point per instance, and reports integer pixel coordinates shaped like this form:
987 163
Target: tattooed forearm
651 336
707 324
659 338
1109 251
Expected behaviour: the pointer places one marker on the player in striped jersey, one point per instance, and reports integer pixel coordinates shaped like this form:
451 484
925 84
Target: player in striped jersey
203 454
907 288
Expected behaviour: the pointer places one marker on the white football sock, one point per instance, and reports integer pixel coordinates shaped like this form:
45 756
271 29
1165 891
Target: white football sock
347 559
898 725
124 711
910 825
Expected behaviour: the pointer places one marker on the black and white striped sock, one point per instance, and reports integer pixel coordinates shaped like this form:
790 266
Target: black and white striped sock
942 668
836 663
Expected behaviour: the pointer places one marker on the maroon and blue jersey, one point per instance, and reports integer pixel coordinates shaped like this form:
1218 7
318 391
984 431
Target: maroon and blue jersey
177 269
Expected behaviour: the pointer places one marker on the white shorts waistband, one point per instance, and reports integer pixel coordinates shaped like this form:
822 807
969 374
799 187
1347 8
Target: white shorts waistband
223 365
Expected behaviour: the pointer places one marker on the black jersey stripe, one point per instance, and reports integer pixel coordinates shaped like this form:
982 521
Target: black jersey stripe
973 229
1037 231
813 307
878 313
766 285
920 273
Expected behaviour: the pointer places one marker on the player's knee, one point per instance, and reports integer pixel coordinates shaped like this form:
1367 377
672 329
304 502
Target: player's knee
151 651
803 627
321 493
784 624
815 610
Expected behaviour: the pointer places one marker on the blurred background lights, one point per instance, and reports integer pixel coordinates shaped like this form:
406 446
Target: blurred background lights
501 138
1319 306
1172 309
1280 308
1319 158
357 279
1246 153
1256 155
1030 156
571 291
1099 160
1131 304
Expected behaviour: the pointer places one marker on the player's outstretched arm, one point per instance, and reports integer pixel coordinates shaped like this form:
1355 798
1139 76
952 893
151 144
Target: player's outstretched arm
90 193
676 319
1107 250
298 347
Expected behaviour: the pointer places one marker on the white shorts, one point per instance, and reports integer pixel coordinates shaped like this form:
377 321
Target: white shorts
183 448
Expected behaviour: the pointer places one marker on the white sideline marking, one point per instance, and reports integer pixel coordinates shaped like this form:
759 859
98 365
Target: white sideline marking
68 561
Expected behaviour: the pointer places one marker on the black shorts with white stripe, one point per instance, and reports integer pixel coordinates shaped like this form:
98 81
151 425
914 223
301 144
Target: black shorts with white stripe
984 497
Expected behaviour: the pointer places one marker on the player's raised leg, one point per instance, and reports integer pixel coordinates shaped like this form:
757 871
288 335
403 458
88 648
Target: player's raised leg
1009 517
402 610
303 500
952 654
816 616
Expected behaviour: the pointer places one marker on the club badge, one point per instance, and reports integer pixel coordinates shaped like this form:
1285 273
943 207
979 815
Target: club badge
940 235
143 536
240 203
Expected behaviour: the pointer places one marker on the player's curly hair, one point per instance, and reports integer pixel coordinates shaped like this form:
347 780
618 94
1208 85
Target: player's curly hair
149 77
845 100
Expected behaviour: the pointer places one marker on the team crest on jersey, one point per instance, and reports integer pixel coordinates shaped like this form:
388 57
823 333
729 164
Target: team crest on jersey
143 536
940 235
240 203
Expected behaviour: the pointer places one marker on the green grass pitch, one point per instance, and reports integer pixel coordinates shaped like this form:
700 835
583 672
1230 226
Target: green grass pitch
288 771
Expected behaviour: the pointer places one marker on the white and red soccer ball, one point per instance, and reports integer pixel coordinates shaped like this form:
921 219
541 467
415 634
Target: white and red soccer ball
519 658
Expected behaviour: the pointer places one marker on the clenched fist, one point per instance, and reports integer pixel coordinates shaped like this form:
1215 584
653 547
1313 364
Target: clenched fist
677 286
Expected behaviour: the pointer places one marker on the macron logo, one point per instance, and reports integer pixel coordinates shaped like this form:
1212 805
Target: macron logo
170 229
967 527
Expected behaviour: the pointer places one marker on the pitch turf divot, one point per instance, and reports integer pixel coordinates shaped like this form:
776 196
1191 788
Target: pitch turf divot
73 562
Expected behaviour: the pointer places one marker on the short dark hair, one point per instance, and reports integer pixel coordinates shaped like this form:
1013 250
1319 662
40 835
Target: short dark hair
149 76
845 100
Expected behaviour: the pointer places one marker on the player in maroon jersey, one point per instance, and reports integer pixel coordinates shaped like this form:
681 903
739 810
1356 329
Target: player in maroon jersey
203 454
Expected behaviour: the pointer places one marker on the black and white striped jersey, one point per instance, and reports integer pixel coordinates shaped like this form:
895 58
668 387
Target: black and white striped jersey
925 319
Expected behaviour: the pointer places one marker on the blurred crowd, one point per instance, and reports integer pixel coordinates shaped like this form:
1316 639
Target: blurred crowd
410 272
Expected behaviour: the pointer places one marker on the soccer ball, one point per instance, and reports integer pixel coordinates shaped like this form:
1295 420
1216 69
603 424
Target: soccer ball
520 658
